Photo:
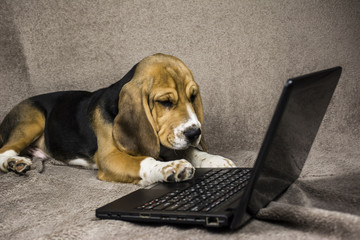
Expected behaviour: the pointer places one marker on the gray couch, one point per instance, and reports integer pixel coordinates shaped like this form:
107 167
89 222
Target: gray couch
240 52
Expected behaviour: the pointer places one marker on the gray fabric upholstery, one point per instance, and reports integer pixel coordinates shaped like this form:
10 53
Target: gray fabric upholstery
240 52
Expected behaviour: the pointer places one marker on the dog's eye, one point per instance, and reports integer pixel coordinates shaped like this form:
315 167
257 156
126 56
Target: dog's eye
166 103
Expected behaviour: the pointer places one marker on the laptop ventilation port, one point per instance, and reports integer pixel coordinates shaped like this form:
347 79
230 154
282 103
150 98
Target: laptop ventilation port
212 221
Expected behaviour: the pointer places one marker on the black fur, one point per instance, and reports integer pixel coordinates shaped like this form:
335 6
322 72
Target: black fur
68 130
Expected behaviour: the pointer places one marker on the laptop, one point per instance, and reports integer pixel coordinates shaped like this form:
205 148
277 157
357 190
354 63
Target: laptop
230 197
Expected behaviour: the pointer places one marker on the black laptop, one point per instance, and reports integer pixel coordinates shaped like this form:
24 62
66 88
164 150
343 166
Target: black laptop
231 197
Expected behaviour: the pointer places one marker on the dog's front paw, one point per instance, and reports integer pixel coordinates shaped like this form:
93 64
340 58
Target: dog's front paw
216 161
176 171
19 165
152 171
202 159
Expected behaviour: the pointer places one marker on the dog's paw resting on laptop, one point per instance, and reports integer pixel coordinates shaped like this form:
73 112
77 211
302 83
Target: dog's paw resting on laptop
202 159
127 129
152 171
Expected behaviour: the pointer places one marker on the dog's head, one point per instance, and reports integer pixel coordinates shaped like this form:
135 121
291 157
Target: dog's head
161 105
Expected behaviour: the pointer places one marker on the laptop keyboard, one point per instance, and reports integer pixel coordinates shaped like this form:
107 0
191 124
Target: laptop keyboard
213 188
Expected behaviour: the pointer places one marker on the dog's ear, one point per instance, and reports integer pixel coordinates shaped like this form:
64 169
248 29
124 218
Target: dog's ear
133 129
198 107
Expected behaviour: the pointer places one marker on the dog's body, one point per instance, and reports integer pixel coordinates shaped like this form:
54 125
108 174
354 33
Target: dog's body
153 113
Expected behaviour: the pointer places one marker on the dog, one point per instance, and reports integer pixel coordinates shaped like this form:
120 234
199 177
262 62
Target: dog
145 128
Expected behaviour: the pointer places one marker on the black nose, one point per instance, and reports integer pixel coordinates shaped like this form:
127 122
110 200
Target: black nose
192 134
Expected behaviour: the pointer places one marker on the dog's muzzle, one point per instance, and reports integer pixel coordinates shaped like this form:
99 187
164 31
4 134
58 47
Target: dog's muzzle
192 134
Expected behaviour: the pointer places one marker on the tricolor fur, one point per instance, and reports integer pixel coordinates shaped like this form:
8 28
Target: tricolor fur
138 130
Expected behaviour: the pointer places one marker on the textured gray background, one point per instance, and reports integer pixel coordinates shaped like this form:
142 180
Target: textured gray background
240 52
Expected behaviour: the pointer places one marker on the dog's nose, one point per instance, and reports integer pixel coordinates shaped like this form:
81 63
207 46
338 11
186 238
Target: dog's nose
192 134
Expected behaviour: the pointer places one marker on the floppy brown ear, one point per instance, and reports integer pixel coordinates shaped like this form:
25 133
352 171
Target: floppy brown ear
198 107
133 129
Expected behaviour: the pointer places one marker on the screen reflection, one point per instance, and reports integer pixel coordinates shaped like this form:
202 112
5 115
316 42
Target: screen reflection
301 110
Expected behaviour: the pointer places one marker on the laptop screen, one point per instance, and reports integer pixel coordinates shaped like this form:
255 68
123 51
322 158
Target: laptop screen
291 134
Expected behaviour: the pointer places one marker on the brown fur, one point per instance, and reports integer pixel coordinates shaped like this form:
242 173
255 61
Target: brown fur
141 126
29 124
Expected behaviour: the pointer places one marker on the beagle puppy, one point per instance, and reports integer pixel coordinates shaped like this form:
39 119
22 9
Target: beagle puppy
145 128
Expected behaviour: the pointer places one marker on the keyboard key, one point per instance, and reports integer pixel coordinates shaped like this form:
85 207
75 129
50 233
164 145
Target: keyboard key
214 188
162 206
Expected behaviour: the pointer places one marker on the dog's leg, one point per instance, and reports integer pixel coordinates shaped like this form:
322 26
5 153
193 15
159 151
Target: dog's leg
121 167
201 159
152 171
117 166
22 126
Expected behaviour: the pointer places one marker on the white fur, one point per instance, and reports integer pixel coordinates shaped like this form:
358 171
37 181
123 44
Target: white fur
82 163
152 171
201 159
38 153
4 157
180 141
